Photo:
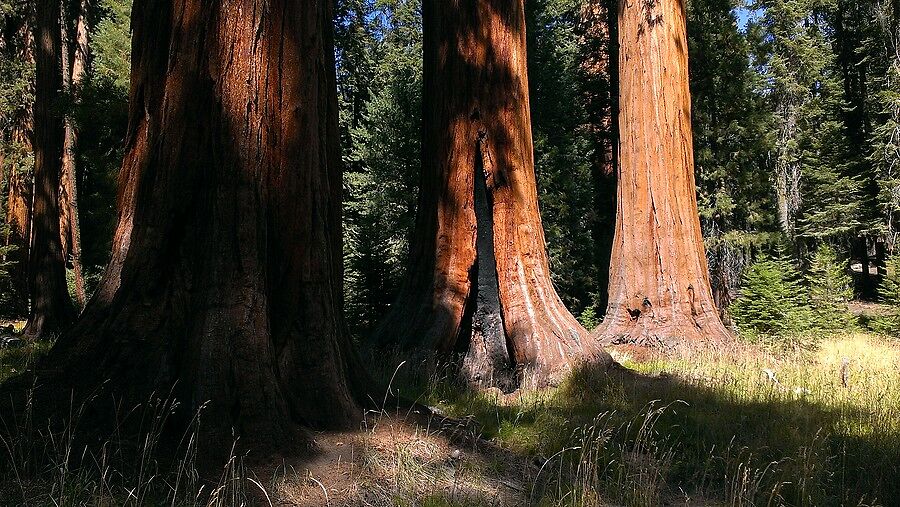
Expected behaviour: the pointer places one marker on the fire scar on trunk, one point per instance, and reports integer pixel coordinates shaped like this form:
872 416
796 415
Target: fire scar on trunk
487 361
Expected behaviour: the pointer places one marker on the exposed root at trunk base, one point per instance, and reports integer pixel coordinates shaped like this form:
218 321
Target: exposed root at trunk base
690 333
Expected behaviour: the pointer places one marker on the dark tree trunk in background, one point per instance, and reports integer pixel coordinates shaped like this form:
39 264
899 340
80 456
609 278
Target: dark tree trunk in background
659 293
479 279
75 57
51 308
225 279
599 73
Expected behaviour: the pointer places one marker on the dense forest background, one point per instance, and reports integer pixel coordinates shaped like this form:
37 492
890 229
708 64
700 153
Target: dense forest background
796 113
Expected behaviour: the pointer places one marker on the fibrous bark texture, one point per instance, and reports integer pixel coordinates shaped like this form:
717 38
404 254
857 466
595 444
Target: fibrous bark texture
225 281
659 292
75 56
51 308
479 278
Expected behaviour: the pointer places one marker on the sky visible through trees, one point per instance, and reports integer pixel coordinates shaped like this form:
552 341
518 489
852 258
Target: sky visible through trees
239 206
793 109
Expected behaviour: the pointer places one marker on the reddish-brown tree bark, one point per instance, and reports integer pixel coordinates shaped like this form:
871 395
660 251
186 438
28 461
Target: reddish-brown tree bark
17 39
51 308
75 57
479 279
18 217
659 292
225 279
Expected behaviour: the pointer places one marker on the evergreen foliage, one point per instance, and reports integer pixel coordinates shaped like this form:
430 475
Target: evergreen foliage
830 289
563 151
773 301
380 85
101 117
889 294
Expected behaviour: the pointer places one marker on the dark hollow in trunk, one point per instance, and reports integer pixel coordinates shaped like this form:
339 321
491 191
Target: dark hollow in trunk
477 126
224 287
487 361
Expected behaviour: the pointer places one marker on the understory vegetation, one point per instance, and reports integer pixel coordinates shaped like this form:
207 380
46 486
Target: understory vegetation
812 426
817 424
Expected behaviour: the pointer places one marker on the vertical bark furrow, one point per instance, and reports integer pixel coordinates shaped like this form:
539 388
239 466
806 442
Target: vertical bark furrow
659 293
225 278
476 87
51 309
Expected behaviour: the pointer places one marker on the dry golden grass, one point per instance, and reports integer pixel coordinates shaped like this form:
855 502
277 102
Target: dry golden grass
810 421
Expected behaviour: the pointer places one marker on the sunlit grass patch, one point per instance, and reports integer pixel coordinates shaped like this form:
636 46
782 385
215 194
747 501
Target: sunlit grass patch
810 425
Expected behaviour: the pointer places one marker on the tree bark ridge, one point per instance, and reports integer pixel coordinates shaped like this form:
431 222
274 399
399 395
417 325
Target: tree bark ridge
659 293
477 115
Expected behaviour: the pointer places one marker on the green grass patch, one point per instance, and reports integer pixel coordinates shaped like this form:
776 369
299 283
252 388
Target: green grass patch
17 360
755 429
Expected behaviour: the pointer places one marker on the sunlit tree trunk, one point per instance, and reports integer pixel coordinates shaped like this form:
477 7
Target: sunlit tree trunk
17 39
51 308
659 292
75 55
224 285
479 278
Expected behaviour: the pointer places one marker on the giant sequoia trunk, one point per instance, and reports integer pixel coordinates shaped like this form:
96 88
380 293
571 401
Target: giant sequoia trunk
51 308
479 278
75 55
225 281
659 292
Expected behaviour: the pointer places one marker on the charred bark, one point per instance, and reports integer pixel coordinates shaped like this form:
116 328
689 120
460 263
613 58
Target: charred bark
51 308
224 287
659 293
477 126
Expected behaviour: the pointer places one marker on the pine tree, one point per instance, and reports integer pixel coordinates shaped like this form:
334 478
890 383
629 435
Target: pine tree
732 143
885 155
772 301
383 159
830 289
889 295
800 67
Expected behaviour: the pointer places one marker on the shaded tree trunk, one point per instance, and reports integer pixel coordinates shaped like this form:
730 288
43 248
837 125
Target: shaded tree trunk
659 293
51 308
479 278
75 57
599 73
224 285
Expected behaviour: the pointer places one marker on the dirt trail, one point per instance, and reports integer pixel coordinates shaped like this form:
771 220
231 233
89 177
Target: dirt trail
400 459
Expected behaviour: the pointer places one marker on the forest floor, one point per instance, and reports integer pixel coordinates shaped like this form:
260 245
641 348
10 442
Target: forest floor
813 420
